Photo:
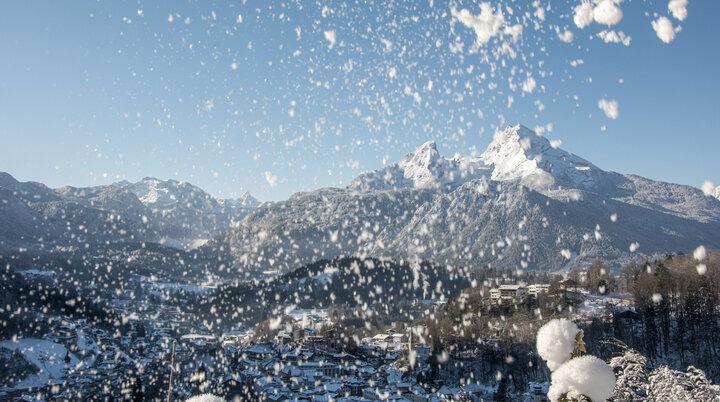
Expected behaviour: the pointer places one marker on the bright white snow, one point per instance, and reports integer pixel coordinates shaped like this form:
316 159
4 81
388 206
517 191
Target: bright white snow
610 36
700 253
678 9
47 356
709 188
205 398
556 342
486 25
583 14
607 12
585 375
664 29
610 108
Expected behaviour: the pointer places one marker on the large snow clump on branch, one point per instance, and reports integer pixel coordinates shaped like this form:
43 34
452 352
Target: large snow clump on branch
586 375
556 342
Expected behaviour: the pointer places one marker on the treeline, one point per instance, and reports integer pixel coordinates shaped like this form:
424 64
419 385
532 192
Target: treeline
102 269
21 300
359 290
475 340
676 301
675 321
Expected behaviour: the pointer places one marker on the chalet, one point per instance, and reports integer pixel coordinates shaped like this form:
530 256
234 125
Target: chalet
354 385
506 292
399 338
626 322
538 288
510 291
199 342
258 353
323 368
283 338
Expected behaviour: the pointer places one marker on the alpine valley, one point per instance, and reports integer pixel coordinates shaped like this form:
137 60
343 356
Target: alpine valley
411 281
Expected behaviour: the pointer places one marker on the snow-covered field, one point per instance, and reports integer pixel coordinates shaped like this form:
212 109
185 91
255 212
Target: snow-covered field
598 305
52 360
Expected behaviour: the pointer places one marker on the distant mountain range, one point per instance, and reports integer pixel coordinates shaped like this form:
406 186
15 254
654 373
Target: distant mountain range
522 204
189 213
174 213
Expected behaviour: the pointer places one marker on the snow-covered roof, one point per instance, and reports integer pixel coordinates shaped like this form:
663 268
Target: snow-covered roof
258 349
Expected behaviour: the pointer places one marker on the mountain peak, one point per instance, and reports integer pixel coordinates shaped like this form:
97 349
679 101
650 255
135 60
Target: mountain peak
422 168
426 168
515 154
517 131
426 155
160 182
247 200
427 146
514 141
518 153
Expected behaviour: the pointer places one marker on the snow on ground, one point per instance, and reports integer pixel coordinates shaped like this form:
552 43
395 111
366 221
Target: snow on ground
598 305
326 276
47 356
157 286
174 287
35 272
87 347
570 256
323 278
205 398
300 312
183 244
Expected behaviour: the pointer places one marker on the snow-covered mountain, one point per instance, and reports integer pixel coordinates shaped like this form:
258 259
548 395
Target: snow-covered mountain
521 204
189 215
515 154
34 214
518 154
178 214
424 168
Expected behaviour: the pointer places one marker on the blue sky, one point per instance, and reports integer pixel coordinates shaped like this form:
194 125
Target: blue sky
279 97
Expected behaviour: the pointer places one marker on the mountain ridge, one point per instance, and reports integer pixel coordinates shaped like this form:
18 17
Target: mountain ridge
523 203
38 216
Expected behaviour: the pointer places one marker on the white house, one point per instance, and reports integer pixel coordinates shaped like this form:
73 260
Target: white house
537 288
506 292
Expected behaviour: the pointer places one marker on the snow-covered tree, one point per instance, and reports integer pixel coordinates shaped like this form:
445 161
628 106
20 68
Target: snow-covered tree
631 372
574 377
702 388
665 384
